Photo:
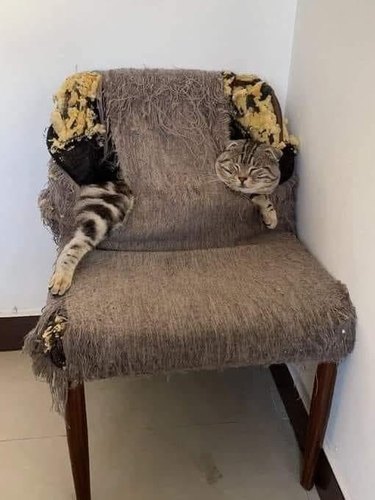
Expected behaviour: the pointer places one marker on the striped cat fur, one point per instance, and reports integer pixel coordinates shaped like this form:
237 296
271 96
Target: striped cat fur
100 208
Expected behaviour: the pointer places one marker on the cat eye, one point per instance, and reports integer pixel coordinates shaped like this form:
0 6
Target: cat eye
227 166
260 176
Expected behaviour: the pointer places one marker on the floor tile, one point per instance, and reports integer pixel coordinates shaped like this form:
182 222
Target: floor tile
313 495
35 469
201 436
196 398
25 410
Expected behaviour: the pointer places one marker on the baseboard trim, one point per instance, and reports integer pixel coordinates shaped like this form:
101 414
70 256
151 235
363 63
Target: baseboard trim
13 330
325 481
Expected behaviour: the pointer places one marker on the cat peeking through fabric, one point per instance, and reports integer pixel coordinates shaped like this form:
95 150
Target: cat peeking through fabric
252 168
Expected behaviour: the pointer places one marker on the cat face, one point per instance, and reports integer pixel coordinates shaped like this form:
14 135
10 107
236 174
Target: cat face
249 167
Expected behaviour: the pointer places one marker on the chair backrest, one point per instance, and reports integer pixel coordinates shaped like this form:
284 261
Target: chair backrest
168 127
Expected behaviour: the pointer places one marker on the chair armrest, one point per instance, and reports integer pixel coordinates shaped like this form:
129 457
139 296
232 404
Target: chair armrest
56 202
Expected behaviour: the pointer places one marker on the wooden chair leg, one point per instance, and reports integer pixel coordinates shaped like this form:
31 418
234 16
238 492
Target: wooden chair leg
76 428
318 418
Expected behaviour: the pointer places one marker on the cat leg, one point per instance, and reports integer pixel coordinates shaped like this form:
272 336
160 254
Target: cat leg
87 236
266 209
101 207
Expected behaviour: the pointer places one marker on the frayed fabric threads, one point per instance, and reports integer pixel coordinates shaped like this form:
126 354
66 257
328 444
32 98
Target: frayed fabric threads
193 280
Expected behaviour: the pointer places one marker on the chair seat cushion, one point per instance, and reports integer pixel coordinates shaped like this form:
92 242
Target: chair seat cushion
148 312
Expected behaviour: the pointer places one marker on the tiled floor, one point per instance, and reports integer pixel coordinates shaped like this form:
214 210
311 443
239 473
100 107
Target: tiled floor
202 436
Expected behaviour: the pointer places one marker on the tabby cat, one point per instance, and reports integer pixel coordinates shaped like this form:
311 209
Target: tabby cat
100 208
252 168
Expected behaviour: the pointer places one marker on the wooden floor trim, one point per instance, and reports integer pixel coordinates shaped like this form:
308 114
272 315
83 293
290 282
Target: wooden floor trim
13 330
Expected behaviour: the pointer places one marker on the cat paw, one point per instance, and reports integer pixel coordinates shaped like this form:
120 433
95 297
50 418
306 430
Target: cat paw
60 282
270 220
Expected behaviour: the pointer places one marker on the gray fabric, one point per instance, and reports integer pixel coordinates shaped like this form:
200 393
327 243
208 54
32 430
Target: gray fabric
56 203
267 302
216 289
168 127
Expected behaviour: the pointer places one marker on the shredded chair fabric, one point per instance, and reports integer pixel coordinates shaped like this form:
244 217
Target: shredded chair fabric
193 280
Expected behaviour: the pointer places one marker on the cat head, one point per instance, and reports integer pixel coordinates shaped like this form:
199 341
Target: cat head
249 167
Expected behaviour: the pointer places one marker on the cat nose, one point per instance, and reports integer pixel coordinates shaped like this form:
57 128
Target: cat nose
242 179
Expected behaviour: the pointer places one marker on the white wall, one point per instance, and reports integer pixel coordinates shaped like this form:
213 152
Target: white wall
42 41
331 105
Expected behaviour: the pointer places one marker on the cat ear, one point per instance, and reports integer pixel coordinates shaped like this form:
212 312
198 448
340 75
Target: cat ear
273 153
231 146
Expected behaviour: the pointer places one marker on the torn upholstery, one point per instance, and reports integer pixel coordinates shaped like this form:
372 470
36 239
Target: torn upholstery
193 281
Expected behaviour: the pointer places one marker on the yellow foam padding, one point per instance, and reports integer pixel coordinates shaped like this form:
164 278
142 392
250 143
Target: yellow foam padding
72 116
55 328
261 122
